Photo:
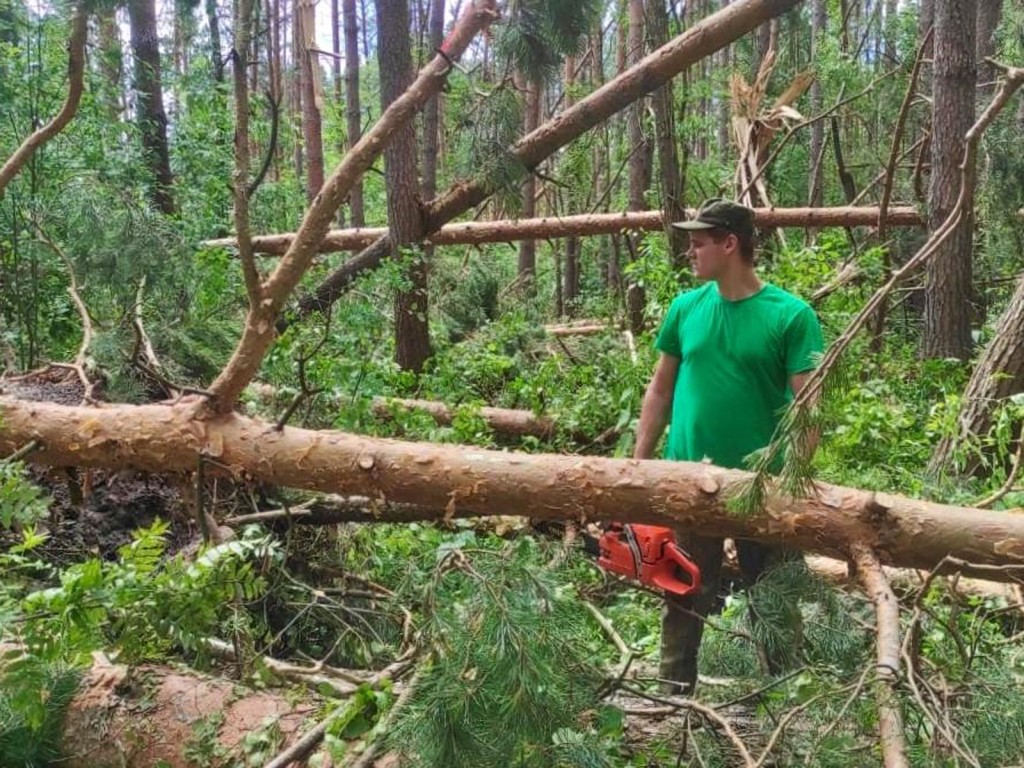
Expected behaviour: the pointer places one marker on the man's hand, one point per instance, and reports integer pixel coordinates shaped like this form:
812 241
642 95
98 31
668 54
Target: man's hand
657 407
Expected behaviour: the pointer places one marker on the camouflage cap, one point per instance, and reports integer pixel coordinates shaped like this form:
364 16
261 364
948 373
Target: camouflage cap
717 213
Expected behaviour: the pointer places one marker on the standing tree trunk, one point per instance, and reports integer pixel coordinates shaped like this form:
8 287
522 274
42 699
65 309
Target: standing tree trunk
216 59
111 63
352 113
891 31
925 21
431 135
274 82
182 36
725 57
336 50
254 53
663 102
568 291
702 39
149 100
639 162
528 248
295 91
312 97
432 110
815 182
394 57
764 41
998 374
989 14
947 327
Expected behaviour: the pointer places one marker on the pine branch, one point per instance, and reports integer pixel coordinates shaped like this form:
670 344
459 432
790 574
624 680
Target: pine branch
817 385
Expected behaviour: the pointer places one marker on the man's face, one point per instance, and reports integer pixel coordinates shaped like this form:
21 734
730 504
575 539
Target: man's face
710 259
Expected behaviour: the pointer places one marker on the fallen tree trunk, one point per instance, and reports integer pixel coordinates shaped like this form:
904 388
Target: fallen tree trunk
151 715
652 72
504 421
338 510
551 227
998 375
579 330
473 482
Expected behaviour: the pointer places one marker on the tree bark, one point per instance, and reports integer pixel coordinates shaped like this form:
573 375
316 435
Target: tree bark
431 124
336 62
888 667
312 97
295 90
528 248
432 111
998 374
154 721
111 63
472 481
353 115
260 323
663 103
275 81
394 57
639 161
568 291
891 31
149 99
654 71
243 23
504 421
216 59
816 180
583 225
989 14
76 77
947 327
571 276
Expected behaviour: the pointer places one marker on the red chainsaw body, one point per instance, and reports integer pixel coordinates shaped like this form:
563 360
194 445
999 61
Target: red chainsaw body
649 554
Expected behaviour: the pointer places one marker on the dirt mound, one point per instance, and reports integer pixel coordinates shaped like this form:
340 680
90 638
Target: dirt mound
52 384
93 513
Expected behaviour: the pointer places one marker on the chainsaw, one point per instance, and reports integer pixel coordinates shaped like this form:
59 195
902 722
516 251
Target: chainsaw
648 554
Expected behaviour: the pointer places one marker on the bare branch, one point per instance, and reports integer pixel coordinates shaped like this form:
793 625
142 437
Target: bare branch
707 713
268 158
76 77
809 121
887 613
259 331
702 39
811 390
240 178
81 361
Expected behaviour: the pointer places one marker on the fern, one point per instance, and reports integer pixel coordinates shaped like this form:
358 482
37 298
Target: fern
33 702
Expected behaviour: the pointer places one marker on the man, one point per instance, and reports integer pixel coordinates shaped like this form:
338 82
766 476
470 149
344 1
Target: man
733 354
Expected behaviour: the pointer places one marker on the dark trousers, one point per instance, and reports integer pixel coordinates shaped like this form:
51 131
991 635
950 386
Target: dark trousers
682 620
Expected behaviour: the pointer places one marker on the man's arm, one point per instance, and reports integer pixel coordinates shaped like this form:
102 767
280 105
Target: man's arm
810 442
657 406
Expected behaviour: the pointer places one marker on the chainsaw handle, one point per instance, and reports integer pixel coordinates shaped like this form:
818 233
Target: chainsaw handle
668 578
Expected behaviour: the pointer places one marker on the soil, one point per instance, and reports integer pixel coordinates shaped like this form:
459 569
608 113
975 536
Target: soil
93 512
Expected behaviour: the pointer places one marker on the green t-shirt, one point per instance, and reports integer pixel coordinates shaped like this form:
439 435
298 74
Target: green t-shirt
736 359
